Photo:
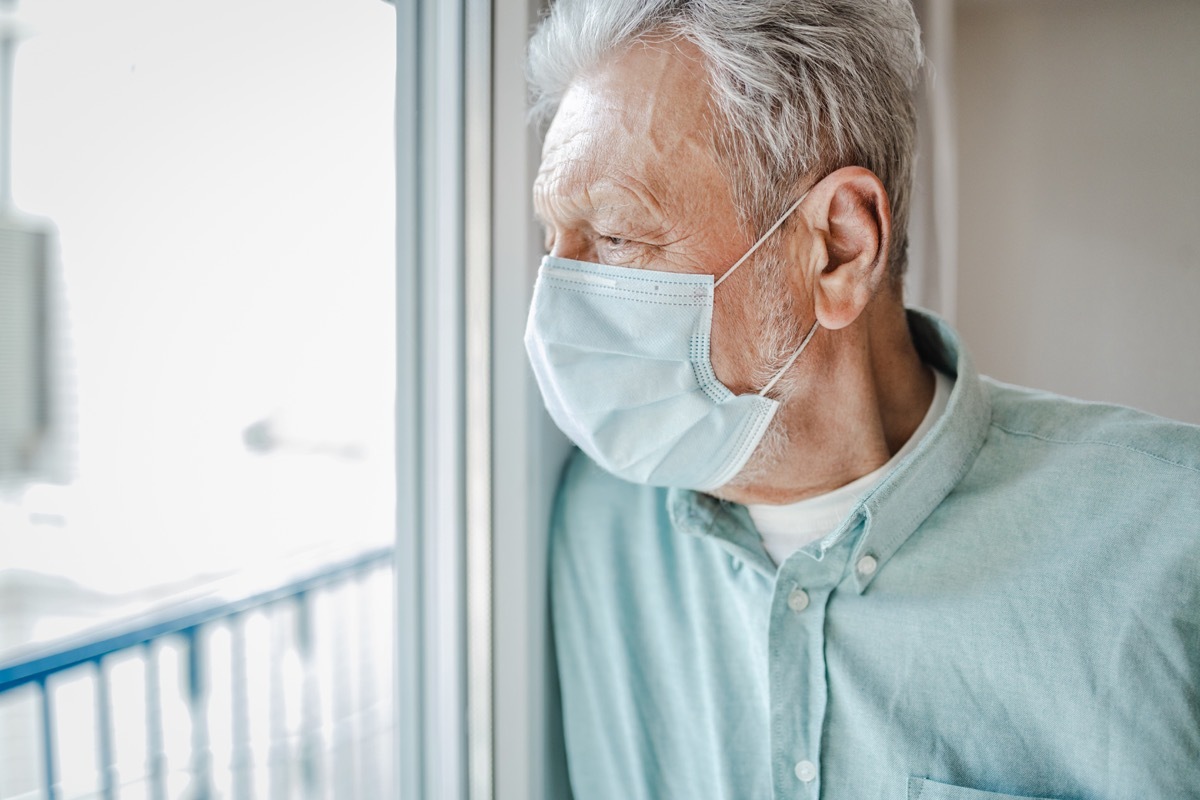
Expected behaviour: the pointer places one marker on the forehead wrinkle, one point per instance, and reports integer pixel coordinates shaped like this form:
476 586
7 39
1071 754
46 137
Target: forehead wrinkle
581 184
562 183
614 205
635 202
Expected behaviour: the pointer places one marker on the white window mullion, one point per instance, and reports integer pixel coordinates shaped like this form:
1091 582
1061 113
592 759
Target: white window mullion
431 654
443 464
409 711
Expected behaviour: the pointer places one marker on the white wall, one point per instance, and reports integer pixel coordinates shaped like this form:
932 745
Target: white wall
1079 184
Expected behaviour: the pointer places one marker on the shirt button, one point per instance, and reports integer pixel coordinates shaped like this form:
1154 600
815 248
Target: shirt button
798 600
806 771
867 566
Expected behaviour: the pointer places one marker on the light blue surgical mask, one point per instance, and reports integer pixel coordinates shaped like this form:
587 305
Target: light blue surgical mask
622 358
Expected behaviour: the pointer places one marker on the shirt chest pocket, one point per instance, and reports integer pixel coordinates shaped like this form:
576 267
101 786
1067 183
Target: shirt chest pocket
925 789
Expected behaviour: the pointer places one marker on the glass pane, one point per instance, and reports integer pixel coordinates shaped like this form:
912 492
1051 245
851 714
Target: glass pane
220 176
196 383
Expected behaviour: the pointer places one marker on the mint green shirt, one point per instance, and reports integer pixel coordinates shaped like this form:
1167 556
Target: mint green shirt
1014 611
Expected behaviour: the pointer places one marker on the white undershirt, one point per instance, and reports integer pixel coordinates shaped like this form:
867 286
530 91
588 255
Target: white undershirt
787 528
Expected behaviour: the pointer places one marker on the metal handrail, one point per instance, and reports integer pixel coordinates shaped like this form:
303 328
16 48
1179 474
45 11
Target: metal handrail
35 662
226 603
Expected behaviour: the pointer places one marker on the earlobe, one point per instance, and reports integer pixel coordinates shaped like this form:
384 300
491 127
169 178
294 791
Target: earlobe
852 217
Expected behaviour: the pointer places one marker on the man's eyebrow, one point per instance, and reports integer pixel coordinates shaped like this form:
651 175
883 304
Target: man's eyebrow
600 203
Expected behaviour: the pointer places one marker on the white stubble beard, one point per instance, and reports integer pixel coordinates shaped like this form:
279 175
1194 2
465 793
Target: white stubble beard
781 334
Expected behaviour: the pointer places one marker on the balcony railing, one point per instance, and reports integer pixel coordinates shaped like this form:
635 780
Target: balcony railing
283 690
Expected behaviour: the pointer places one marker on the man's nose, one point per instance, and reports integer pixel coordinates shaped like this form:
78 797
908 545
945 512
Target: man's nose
574 247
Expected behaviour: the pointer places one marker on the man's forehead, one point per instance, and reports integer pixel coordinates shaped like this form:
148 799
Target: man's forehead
642 115
651 88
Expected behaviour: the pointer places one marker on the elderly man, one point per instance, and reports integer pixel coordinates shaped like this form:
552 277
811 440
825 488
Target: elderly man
806 550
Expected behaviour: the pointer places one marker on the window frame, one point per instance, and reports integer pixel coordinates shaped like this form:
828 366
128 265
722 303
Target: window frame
477 457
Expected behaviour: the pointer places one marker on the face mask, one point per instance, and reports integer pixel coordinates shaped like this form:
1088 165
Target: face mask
622 359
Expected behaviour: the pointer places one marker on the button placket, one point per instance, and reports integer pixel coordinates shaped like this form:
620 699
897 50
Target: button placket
798 690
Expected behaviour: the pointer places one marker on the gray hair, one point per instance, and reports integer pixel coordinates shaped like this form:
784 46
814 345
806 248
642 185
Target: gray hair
804 87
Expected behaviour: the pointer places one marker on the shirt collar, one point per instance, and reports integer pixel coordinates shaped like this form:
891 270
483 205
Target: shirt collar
889 513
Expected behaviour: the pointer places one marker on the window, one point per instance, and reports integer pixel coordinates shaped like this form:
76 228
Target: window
213 392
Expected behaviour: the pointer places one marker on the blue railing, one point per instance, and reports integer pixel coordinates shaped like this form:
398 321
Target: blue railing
327 725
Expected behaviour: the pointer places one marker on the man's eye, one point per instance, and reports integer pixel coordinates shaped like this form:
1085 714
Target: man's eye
615 241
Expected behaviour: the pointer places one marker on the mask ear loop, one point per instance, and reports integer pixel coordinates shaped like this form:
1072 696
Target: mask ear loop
765 236
811 331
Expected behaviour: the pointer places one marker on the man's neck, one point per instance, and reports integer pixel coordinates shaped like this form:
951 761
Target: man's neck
863 394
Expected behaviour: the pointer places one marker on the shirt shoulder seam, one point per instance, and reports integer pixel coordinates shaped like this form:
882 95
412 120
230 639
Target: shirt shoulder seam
1101 442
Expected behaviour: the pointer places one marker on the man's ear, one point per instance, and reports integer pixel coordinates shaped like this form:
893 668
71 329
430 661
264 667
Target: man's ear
850 220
